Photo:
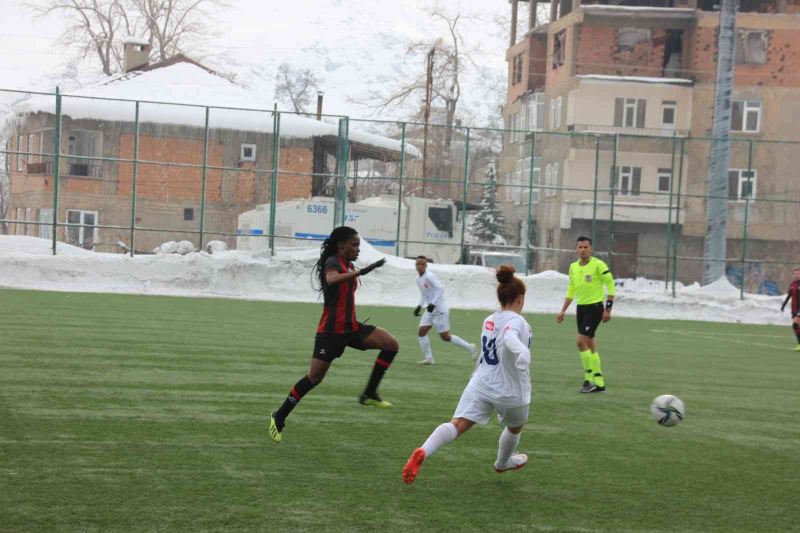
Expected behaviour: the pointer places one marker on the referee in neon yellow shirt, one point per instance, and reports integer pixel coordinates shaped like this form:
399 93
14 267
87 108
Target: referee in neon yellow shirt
587 276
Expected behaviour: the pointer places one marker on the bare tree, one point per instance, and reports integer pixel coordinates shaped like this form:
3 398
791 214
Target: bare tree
96 28
295 87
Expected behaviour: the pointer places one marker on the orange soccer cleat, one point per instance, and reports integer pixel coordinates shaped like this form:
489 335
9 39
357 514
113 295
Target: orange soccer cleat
412 466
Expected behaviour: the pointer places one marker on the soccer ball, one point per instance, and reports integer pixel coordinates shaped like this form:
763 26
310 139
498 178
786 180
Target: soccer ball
668 410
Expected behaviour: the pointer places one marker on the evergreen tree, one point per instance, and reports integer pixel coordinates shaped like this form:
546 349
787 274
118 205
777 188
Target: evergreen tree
488 226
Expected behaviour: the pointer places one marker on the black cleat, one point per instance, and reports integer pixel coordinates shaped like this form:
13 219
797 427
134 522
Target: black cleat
586 386
596 388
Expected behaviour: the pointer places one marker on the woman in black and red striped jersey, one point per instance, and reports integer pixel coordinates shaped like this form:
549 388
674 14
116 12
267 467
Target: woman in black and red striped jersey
338 327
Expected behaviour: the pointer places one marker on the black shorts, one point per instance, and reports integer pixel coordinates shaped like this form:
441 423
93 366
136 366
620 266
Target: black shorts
589 317
329 346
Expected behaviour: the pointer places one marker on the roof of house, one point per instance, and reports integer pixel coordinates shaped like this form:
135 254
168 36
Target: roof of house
179 80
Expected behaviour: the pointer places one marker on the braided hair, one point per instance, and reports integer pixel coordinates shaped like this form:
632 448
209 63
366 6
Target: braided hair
329 248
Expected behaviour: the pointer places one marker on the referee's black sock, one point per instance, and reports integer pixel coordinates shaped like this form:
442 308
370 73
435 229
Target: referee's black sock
382 363
300 389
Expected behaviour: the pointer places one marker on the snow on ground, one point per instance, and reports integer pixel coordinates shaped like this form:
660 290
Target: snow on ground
27 263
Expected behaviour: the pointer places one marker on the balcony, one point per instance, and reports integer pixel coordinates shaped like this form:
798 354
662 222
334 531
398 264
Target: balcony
658 212
643 132
43 167
88 170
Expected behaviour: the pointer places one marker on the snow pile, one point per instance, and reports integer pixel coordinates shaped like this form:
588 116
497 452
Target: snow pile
172 247
216 247
27 263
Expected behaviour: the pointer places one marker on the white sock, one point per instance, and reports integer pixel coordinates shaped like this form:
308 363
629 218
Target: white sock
458 341
505 448
425 344
443 434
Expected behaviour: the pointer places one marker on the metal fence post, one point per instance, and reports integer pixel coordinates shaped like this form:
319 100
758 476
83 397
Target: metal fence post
669 216
273 190
530 206
676 238
611 210
746 214
56 169
464 196
203 180
135 174
596 184
400 187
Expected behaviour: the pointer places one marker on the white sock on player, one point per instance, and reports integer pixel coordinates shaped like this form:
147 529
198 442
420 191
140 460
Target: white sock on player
443 434
505 448
461 343
425 345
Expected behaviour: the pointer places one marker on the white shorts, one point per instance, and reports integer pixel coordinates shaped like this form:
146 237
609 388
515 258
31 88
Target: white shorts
477 409
440 320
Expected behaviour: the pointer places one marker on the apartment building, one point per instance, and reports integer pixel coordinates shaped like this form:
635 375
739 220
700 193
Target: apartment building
231 138
642 72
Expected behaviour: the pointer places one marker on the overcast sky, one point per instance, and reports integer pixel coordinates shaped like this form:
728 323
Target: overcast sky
353 45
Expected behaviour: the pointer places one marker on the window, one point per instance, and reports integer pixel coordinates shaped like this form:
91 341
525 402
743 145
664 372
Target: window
630 181
248 152
669 108
20 148
442 218
30 148
751 47
85 144
81 228
555 113
18 214
559 52
742 184
746 116
664 177
188 213
629 112
550 238
551 180
516 69
535 112
29 217
46 219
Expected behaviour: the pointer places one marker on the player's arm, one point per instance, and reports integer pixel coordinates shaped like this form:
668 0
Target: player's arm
786 301
608 281
438 292
334 277
418 309
568 299
518 348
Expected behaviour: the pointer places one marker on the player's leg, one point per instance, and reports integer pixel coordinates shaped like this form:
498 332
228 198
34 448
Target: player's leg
442 322
424 341
597 371
377 339
582 342
796 328
443 434
514 419
316 372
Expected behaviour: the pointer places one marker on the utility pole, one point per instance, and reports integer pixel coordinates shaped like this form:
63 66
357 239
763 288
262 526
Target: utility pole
427 113
714 250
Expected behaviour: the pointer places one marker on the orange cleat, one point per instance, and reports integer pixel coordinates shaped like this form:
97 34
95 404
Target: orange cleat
412 466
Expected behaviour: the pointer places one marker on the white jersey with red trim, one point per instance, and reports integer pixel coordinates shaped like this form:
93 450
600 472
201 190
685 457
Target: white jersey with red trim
503 374
431 291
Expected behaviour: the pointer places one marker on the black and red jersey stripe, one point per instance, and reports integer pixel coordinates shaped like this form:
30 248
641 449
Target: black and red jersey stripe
794 293
339 311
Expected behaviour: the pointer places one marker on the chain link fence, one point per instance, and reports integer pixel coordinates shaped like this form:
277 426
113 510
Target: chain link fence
125 176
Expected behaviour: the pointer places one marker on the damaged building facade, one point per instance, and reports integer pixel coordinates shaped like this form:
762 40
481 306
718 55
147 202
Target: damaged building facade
193 162
645 70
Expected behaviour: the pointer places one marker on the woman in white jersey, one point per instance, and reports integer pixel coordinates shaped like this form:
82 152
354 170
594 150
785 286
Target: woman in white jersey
501 382
436 313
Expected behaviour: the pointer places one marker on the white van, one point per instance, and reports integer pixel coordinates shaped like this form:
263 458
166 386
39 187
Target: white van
495 259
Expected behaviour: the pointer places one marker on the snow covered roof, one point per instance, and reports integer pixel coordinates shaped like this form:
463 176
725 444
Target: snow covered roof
136 40
184 81
635 79
607 9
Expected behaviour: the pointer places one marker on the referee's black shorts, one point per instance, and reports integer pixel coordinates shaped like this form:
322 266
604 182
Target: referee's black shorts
589 317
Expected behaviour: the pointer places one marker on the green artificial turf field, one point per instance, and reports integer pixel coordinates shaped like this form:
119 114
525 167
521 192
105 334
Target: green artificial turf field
139 413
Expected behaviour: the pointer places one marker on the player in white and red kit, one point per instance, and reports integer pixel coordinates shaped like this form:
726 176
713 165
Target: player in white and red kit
501 382
436 313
